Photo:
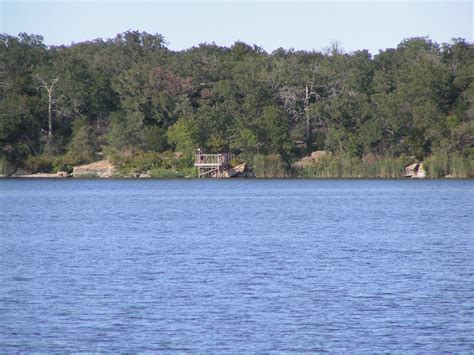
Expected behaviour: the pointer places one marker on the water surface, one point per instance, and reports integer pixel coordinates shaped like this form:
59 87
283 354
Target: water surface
236 265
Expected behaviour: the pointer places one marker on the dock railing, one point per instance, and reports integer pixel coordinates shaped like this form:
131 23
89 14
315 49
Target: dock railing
208 160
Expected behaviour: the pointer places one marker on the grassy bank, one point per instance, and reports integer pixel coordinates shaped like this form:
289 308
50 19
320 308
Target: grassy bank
268 166
4 167
172 165
437 166
452 165
350 167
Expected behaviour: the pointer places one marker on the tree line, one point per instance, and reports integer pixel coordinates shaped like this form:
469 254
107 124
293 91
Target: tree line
131 95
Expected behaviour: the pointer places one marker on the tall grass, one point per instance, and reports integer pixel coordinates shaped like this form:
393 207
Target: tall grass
268 166
462 167
453 165
438 165
163 173
350 167
4 167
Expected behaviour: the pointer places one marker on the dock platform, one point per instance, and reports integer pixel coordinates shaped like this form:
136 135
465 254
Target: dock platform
212 165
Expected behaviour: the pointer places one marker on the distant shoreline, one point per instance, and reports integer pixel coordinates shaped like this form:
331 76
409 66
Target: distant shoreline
55 177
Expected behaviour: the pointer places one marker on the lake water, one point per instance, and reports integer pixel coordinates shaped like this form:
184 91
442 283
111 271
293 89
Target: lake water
236 265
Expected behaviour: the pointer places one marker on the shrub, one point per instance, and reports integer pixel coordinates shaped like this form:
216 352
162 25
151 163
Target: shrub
163 164
39 164
139 162
48 164
236 161
162 173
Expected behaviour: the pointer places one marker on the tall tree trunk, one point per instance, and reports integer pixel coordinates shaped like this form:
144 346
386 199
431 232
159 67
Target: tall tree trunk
50 90
307 116
309 131
50 115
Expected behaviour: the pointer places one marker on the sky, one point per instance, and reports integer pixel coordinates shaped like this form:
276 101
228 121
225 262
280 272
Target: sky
302 25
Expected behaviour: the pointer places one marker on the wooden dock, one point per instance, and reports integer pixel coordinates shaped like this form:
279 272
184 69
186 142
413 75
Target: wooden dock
212 165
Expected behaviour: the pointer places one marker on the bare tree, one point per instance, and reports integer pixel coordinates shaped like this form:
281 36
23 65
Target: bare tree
50 89
314 86
296 101
3 84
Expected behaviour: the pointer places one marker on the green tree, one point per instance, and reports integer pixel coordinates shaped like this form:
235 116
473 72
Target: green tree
183 134
84 144
274 132
126 130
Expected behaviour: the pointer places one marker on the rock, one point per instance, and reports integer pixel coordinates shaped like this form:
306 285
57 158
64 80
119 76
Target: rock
144 176
416 170
310 159
102 169
421 173
319 154
240 170
63 174
19 172
38 176
249 174
303 162
410 170
136 175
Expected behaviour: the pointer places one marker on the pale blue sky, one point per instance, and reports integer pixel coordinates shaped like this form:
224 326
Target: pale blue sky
308 25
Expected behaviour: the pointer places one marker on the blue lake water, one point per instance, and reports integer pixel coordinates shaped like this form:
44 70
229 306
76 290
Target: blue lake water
236 265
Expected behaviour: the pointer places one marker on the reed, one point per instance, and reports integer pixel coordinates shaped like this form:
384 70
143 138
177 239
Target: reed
351 167
268 166
438 165
4 167
461 167
162 173
454 165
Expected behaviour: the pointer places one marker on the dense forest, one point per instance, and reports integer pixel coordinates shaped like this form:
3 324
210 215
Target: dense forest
132 100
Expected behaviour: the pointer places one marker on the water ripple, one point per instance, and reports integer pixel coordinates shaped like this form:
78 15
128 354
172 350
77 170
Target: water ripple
236 266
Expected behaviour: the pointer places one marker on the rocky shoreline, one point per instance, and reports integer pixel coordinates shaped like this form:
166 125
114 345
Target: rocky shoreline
104 169
58 175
